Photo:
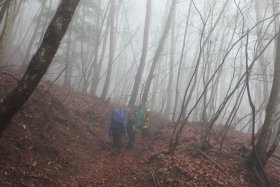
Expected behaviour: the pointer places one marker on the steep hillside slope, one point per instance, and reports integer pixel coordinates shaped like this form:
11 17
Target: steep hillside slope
60 138
55 136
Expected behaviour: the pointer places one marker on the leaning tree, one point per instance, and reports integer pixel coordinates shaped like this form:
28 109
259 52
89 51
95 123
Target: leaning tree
38 64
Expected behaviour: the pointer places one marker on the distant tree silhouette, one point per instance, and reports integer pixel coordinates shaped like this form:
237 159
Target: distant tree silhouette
263 141
162 40
112 50
140 70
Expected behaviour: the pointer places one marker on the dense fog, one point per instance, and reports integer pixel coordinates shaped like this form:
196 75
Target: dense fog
200 70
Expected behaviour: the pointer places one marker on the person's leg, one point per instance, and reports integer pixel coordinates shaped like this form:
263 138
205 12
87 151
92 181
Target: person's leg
143 133
119 140
130 137
115 140
132 141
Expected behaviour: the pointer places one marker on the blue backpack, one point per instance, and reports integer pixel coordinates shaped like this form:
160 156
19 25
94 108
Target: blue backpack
118 119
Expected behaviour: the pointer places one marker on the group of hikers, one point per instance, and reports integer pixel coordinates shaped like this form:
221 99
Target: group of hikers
124 121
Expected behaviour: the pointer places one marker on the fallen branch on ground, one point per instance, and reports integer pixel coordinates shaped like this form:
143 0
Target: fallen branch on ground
213 161
154 180
276 157
10 75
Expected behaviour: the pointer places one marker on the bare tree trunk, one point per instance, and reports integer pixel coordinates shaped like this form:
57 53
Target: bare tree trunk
202 45
68 70
157 54
177 131
152 103
263 140
138 76
83 61
92 56
263 64
97 70
181 62
112 50
33 38
171 64
45 19
275 143
8 25
232 115
3 10
97 44
38 64
205 77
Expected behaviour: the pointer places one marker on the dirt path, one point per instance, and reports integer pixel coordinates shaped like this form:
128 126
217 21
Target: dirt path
111 169
145 165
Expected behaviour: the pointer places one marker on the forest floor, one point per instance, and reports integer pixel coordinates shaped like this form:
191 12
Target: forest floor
60 138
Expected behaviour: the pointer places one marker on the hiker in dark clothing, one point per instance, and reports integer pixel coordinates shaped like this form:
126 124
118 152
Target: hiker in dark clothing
130 129
117 129
117 135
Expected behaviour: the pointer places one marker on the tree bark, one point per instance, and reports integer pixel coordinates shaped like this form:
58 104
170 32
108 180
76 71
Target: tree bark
263 140
112 50
140 70
38 64
8 25
157 54
181 62
97 70
171 73
68 70
3 11
97 44
262 62
34 35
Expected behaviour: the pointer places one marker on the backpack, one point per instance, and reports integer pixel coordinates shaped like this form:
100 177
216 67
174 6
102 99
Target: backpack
139 118
118 119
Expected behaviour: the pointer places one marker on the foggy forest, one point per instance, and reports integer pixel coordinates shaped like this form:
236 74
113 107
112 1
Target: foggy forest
205 74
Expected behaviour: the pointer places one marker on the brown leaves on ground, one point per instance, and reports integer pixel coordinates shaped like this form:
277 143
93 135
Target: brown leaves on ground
60 139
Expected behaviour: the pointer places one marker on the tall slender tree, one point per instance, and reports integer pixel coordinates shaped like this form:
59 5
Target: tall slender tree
97 69
37 28
8 24
181 62
157 54
112 49
262 143
138 76
171 71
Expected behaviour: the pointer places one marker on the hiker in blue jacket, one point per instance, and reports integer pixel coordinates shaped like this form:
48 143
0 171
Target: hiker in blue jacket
117 129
